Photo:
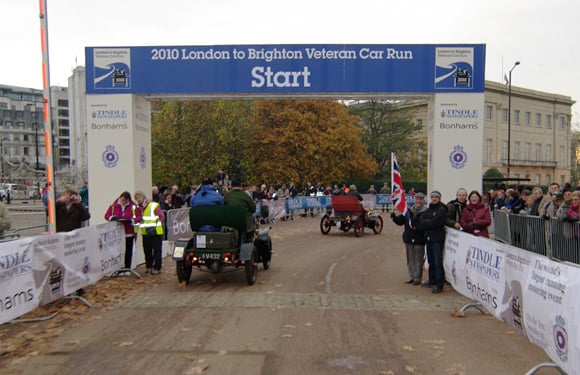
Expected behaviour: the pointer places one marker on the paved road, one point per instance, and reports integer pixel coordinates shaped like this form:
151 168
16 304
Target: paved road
331 304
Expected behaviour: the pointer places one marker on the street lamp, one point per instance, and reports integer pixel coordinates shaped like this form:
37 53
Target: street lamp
510 117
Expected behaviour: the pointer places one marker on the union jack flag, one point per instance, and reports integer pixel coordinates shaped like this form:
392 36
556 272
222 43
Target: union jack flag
398 192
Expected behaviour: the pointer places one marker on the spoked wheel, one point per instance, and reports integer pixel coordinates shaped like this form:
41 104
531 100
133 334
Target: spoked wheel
359 226
378 227
325 224
183 271
251 270
268 258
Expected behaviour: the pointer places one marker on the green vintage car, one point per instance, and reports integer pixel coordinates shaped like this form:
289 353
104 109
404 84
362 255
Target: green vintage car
223 237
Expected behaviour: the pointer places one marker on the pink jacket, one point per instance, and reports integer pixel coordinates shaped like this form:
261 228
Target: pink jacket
125 214
475 219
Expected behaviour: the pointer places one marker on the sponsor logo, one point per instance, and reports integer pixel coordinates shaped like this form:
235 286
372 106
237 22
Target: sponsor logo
458 157
454 68
109 113
561 338
143 158
459 113
112 68
110 157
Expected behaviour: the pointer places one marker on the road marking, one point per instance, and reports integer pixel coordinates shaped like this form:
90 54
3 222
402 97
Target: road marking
164 299
328 288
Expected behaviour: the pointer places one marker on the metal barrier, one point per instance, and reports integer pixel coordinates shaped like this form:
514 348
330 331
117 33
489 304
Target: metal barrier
564 240
552 238
501 226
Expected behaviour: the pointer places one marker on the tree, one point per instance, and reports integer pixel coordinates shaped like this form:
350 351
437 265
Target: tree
388 127
191 140
307 141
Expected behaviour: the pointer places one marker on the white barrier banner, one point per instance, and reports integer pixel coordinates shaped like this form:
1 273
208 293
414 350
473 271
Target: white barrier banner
533 295
17 291
38 270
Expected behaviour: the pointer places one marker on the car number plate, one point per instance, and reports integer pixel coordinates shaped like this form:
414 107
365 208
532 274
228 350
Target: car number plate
178 251
210 256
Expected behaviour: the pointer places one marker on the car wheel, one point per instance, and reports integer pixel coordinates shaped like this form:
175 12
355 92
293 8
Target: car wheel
359 226
325 224
251 271
183 271
378 227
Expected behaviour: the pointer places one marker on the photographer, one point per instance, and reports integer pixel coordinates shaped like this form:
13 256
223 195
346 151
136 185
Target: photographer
70 211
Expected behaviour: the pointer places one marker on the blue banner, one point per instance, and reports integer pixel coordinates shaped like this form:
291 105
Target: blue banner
291 69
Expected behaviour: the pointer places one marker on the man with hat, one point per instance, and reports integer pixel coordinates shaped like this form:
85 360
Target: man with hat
237 197
432 224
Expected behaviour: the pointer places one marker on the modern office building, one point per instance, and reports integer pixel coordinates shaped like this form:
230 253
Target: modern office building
22 131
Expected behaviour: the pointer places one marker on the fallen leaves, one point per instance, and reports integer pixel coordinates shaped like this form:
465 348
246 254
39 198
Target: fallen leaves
457 314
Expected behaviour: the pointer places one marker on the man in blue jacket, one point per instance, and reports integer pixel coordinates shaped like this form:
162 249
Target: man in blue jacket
206 195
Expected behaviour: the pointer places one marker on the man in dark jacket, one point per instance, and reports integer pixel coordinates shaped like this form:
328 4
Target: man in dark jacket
206 195
455 207
414 240
432 224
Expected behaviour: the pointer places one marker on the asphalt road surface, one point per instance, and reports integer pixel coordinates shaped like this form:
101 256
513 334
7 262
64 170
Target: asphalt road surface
332 304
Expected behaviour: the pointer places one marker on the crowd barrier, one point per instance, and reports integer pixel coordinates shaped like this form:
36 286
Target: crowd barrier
535 296
552 238
35 271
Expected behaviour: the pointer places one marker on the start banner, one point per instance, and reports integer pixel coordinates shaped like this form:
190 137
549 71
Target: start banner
35 271
533 295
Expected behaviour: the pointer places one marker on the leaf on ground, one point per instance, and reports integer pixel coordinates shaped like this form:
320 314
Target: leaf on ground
386 372
196 370
218 331
456 369
436 342
290 326
409 348
123 344
457 314
286 335
410 368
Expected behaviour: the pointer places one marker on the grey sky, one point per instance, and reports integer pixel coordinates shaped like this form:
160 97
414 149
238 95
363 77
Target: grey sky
543 35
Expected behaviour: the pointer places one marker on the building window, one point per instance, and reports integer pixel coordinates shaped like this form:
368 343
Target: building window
528 118
562 180
538 151
504 148
538 179
63 113
25 137
7 113
516 150
563 158
489 112
562 122
548 152
504 115
527 151
538 120
25 151
517 116
8 123
489 150
62 103
19 114
548 121
548 178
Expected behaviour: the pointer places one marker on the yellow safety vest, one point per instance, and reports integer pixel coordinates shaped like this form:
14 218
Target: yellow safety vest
150 220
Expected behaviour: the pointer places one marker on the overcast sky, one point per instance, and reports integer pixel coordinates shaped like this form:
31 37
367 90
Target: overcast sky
543 35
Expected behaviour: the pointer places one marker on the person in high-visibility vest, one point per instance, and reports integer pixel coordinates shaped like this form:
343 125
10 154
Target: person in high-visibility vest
151 228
